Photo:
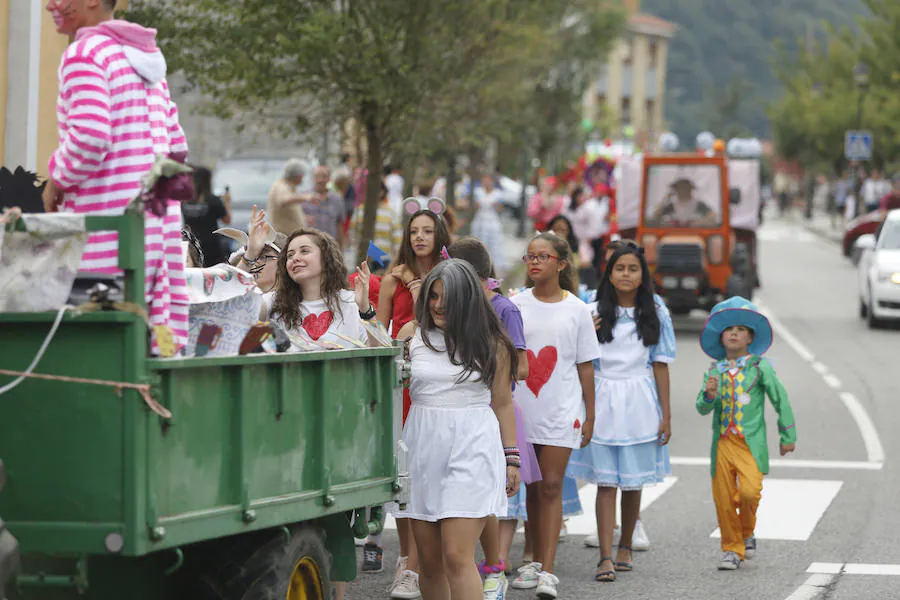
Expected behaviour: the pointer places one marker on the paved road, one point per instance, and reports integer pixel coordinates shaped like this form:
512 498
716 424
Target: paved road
829 508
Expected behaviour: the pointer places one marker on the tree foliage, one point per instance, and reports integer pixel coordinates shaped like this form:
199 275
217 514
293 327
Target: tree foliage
821 100
406 70
728 43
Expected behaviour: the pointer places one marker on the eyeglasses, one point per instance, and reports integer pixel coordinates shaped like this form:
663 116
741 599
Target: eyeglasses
261 262
541 258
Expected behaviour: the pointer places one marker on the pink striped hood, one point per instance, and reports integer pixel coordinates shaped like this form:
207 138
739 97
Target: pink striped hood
138 44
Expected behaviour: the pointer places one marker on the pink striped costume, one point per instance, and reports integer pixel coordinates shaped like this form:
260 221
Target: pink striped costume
115 115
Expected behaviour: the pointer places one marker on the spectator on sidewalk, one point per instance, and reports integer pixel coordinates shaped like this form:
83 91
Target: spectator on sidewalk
324 209
203 214
545 205
285 206
873 189
393 179
891 200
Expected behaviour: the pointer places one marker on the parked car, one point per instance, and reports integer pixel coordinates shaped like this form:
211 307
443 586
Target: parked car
248 180
879 273
862 225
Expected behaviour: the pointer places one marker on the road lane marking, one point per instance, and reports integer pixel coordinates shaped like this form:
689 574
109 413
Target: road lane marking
854 569
853 465
867 429
791 508
874 449
832 381
586 524
813 587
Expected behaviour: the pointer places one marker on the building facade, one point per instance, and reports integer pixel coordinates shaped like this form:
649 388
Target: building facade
630 87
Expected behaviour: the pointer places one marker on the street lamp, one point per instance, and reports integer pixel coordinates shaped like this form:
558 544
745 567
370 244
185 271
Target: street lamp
861 80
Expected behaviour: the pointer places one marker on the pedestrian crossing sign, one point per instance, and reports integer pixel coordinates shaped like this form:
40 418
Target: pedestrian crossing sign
858 145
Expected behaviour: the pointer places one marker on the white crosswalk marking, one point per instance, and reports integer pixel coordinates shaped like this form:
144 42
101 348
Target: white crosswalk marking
791 508
586 523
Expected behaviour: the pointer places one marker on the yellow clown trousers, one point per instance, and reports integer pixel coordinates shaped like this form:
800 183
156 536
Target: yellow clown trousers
737 489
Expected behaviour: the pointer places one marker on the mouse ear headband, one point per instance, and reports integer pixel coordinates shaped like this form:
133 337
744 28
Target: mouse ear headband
413 205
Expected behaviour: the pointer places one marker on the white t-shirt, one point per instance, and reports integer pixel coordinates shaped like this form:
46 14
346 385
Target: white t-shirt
394 184
321 325
558 336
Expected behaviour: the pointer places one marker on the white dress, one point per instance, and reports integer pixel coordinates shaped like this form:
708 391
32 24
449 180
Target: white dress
487 227
457 468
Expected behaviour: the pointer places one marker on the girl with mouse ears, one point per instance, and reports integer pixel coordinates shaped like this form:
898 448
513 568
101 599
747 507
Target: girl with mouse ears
628 448
557 398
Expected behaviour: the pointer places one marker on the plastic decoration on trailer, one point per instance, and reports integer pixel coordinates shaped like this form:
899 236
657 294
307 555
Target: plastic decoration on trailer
412 205
599 176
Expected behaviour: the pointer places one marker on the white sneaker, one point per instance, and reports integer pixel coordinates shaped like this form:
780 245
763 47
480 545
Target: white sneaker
398 572
495 586
406 587
528 577
593 540
547 583
563 532
640 542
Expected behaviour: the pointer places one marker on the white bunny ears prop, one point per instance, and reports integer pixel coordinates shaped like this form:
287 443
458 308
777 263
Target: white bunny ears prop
244 240
412 205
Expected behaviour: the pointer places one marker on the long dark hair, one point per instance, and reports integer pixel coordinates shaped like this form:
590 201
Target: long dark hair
645 316
571 238
288 295
568 279
407 256
202 184
473 331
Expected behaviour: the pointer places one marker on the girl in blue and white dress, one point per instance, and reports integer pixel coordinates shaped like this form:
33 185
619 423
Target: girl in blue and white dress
633 418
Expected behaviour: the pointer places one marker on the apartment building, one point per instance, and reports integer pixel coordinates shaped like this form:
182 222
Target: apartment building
630 87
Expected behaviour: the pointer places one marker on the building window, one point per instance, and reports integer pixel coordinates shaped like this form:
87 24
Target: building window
654 53
626 110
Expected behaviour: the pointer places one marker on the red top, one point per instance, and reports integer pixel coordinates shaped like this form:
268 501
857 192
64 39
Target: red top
403 310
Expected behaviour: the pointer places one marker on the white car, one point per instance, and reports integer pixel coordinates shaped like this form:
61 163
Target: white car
879 273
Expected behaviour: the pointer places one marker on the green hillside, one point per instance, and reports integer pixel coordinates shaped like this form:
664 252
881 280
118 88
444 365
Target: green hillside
719 67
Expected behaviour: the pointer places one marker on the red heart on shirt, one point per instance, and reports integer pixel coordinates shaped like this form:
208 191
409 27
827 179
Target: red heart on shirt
540 368
317 325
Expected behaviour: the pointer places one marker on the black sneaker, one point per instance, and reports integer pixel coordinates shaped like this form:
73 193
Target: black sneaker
373 559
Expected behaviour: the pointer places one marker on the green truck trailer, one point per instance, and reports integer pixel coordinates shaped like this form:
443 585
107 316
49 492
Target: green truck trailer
220 483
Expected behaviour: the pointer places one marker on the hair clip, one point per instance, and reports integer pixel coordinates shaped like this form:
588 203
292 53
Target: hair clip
444 253
493 284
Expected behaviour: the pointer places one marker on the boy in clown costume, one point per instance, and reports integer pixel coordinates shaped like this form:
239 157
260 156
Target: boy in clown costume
736 335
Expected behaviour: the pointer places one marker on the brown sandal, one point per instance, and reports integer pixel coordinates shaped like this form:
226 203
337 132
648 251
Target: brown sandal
624 566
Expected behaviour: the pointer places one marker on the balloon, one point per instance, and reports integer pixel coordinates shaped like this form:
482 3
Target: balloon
668 142
587 124
628 131
705 140
719 146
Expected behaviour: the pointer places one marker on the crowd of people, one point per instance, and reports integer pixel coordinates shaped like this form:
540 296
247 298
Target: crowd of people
509 400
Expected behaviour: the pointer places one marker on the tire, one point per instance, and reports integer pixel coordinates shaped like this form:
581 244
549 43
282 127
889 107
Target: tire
737 286
268 569
863 309
680 311
871 320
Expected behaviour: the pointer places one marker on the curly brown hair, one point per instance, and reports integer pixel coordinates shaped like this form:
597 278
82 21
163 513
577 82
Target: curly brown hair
288 294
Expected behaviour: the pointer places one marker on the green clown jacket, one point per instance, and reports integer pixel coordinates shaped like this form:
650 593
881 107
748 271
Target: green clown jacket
739 407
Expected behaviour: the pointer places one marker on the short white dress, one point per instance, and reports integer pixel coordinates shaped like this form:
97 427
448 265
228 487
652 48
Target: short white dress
457 468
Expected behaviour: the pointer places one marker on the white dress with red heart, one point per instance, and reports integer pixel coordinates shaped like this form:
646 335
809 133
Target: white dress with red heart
457 468
319 323
558 336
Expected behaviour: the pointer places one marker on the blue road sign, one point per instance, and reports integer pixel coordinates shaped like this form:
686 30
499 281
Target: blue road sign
858 145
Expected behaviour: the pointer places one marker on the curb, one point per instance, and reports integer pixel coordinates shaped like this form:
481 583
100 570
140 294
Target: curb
829 236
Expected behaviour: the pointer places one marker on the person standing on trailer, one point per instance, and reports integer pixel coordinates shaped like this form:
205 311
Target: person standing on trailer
115 117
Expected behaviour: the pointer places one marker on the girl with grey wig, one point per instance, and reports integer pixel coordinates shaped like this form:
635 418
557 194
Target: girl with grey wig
461 432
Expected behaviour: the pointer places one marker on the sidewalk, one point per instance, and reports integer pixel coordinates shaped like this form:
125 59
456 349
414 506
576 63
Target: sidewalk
820 225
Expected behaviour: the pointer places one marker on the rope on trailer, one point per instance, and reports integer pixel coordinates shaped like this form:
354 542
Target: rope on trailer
142 388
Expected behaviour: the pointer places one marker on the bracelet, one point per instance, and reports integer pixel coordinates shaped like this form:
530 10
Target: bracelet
250 261
511 450
366 316
513 463
414 282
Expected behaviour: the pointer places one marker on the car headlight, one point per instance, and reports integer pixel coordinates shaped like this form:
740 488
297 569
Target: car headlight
670 283
690 283
891 276
895 278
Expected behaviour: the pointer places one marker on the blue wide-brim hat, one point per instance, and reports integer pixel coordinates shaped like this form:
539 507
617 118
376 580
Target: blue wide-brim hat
731 312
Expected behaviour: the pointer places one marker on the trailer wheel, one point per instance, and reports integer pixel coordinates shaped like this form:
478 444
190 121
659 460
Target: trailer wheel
277 569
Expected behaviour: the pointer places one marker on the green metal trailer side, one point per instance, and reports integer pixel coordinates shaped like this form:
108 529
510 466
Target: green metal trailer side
103 493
